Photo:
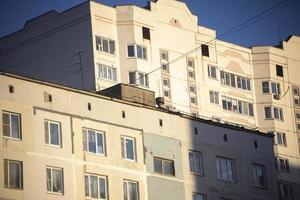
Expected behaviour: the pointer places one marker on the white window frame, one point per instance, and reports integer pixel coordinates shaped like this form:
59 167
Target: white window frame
126 189
163 160
191 68
282 137
49 122
194 165
285 161
237 106
255 168
104 69
96 132
137 79
89 196
135 47
10 114
209 71
214 97
193 99
20 163
51 180
270 87
124 154
272 110
228 162
99 47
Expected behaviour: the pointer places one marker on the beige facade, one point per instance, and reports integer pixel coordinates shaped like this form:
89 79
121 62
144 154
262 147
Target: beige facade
254 87
158 135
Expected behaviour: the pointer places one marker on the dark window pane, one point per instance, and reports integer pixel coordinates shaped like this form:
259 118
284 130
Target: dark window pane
105 45
102 189
157 165
130 50
54 134
129 149
15 126
204 50
139 51
112 47
146 33
92 141
279 70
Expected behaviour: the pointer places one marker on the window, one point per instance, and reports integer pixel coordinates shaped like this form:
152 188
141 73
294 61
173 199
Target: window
282 164
227 79
279 70
198 196
138 78
107 72
192 89
191 68
11 123
164 166
53 133
166 82
193 100
285 190
13 174
93 141
296 91
273 113
225 169
146 33
271 87
214 97
95 186
105 45
128 148
164 57
280 138
259 175
212 71
55 180
196 162
205 50
131 190
265 87
137 51
243 83
233 80
237 106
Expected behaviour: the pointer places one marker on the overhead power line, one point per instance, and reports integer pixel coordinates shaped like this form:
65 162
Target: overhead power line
232 30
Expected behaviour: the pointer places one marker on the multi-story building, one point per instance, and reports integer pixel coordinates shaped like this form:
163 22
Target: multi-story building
64 143
162 48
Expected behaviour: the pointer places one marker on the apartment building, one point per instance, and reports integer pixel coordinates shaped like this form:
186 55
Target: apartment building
93 46
64 143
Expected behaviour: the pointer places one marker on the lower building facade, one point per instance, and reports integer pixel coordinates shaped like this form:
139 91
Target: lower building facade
63 143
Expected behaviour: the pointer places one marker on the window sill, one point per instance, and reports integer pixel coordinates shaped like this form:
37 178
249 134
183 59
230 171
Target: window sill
105 53
261 187
95 154
215 79
17 189
129 160
55 146
55 193
166 175
197 174
227 181
109 80
11 138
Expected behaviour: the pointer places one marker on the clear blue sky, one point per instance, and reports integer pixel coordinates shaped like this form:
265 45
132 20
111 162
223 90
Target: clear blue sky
220 15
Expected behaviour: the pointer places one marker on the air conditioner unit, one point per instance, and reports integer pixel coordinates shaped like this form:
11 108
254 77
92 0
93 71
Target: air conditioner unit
276 96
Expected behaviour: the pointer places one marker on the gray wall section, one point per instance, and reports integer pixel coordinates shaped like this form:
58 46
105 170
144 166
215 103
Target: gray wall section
168 148
164 189
46 48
